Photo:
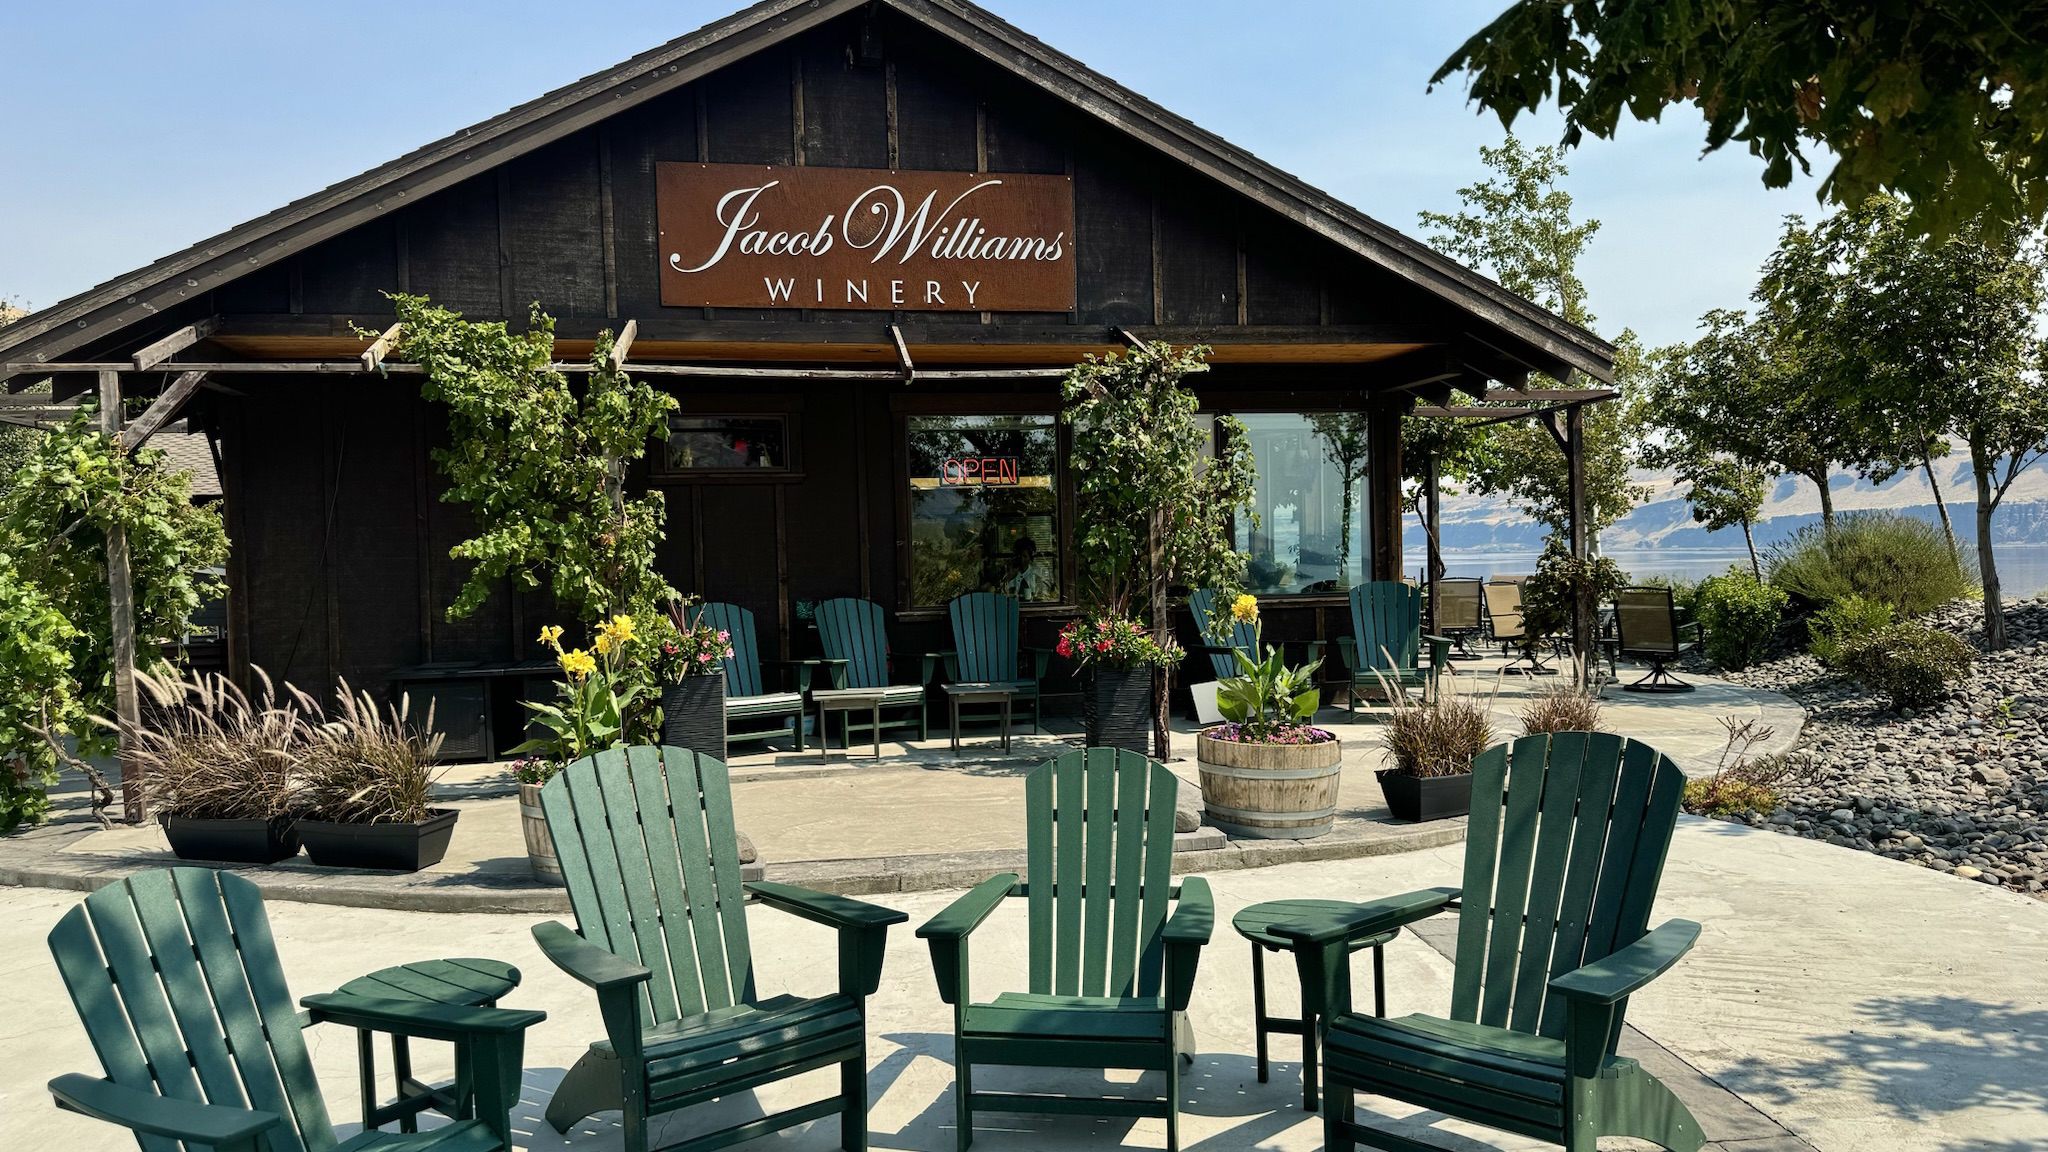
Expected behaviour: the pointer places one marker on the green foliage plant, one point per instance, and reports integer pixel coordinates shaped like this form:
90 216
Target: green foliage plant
1742 786
1892 557
1155 505
1267 702
1938 101
1740 615
1911 664
541 465
1841 623
1559 579
56 649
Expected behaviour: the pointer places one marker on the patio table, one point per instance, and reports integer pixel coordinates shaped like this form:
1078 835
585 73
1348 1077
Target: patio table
979 692
831 700
464 983
1255 924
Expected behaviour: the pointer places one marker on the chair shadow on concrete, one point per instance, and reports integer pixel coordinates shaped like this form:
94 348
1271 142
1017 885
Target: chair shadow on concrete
1920 1058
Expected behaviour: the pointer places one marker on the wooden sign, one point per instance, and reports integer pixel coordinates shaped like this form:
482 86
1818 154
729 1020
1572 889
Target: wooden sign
754 236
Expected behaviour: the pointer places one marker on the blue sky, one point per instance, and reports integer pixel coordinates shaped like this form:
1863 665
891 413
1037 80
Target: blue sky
197 116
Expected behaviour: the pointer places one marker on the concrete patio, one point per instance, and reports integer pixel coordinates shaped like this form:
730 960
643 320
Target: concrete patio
1836 1001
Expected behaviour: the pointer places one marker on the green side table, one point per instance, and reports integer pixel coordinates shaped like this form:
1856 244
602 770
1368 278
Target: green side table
465 983
1255 924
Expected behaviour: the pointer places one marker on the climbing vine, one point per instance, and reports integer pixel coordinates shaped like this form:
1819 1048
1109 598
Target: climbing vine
56 646
541 467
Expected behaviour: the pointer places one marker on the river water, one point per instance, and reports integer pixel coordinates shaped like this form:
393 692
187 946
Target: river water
2022 568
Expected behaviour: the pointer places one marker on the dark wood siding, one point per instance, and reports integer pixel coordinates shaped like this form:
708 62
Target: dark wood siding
553 223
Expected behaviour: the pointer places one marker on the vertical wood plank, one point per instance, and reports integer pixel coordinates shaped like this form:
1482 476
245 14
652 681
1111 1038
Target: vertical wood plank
1482 860
91 987
332 445
1069 808
686 801
235 486
1597 780
607 221
1099 826
638 862
184 988
665 867
1160 792
274 1004
224 968
1527 765
1038 878
1569 752
714 781
782 572
1129 879
119 930
504 176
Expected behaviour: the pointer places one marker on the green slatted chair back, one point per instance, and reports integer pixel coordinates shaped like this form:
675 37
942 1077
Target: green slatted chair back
1243 636
175 976
1098 868
743 671
1563 854
1386 619
652 863
985 636
856 631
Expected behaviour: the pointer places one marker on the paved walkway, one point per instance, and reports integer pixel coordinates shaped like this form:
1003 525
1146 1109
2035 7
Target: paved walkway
920 818
1837 1001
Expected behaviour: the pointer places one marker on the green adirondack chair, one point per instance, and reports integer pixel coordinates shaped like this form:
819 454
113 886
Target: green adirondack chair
1110 971
855 633
175 976
1386 641
1244 637
1562 858
746 694
986 649
652 863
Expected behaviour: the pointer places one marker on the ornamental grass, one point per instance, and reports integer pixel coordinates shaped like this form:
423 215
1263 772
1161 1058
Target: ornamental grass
369 765
1435 737
206 752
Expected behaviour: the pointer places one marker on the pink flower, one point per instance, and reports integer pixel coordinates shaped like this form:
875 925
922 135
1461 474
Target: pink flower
1102 645
703 657
723 637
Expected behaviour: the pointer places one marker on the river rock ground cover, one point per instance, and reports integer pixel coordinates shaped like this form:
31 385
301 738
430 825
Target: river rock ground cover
1960 787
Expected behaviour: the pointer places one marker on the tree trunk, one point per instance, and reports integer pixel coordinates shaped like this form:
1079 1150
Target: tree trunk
1948 529
1344 536
1162 634
1987 564
1827 502
1750 541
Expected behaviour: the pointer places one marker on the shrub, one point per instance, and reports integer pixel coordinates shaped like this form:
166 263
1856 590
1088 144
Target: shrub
1739 615
1438 737
1685 594
1561 706
1559 578
1842 623
1741 786
369 765
1901 560
1911 664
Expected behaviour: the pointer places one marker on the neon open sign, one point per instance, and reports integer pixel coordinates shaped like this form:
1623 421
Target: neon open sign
979 470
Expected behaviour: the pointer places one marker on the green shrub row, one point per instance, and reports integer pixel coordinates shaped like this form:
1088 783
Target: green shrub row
1739 614
1913 665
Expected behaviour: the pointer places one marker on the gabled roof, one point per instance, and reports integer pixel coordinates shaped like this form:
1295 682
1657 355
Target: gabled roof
133 299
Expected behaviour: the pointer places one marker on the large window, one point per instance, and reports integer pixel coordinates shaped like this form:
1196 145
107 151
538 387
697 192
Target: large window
737 445
1313 529
984 507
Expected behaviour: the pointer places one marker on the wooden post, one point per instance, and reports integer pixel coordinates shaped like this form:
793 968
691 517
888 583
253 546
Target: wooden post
121 599
1432 558
1583 608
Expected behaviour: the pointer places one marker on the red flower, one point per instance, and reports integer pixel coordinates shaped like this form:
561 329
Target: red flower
1066 646
1102 645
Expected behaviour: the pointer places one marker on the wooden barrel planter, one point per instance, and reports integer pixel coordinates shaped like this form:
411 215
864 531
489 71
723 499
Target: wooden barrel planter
540 844
1116 709
1270 791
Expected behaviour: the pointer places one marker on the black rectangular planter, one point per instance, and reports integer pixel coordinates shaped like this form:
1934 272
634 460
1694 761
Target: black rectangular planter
231 841
1116 708
1419 798
390 847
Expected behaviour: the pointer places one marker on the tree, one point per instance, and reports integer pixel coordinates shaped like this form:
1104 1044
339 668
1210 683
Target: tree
56 656
1155 509
1924 341
542 468
1724 491
1944 102
16 441
1517 225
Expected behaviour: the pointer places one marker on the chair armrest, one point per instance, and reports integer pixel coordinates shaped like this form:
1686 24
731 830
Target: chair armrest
586 961
835 669
823 908
928 663
1347 651
1614 978
947 932
215 1125
1041 659
421 1019
1367 919
1190 926
863 929
1439 649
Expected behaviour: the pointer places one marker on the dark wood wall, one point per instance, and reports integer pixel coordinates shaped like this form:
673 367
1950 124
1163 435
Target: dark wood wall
340 530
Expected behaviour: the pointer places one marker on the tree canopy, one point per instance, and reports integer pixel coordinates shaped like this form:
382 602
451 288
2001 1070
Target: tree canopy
1944 102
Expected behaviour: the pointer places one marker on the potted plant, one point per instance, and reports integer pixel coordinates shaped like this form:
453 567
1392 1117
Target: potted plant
690 667
221 773
532 772
1117 659
369 777
1430 746
1266 771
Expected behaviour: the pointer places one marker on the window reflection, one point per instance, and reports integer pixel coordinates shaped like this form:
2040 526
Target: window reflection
726 443
984 508
1311 502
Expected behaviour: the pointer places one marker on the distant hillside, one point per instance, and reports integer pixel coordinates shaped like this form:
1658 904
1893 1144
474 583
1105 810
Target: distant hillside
1664 520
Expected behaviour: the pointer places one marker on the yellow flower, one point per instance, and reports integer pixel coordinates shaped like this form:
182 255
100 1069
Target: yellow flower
1245 609
578 663
622 627
551 635
603 643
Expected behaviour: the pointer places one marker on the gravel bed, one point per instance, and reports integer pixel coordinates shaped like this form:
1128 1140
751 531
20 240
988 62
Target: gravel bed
1961 787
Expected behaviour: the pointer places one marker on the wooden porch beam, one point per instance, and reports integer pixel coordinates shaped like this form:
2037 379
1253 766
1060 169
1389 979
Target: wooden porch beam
121 607
375 353
156 353
902 353
162 411
622 344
